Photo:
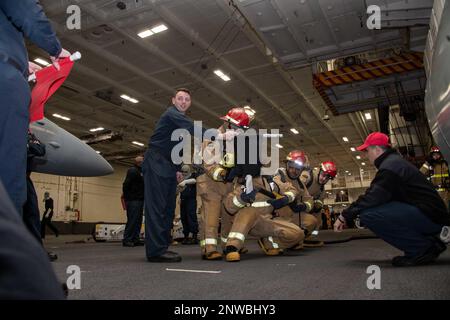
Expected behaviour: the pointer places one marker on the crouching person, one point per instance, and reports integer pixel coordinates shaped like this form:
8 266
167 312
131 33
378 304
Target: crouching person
401 206
253 216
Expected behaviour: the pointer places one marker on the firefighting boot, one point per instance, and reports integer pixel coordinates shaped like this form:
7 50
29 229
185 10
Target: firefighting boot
310 239
309 243
242 250
213 255
232 254
268 250
209 252
297 247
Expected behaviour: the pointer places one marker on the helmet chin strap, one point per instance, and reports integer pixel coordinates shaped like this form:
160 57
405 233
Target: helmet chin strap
293 178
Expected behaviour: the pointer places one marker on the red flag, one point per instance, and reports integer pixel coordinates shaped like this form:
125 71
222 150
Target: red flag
48 80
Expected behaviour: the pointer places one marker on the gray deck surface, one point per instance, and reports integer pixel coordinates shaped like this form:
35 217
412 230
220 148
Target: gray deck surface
335 271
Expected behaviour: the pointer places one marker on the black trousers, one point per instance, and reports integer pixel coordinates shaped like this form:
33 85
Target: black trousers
47 221
134 221
188 213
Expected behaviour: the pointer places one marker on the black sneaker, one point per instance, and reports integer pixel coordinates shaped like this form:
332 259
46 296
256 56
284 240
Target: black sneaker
128 244
52 256
169 256
186 240
428 257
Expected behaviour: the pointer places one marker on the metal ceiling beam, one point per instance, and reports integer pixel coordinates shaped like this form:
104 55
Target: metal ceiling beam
102 137
299 43
357 126
288 78
109 125
299 92
330 27
181 27
152 49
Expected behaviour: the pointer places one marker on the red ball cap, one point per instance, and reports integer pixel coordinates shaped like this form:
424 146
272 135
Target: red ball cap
375 139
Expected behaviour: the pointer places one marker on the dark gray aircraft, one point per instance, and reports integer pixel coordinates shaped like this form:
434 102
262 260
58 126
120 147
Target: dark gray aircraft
437 97
66 155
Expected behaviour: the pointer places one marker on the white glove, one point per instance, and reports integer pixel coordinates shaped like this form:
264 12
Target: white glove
187 181
33 67
64 54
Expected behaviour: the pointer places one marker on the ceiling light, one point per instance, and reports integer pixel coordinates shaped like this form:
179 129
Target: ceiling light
125 97
294 131
159 28
41 62
279 145
345 139
146 33
222 75
352 149
138 143
346 171
56 115
97 151
315 168
368 116
363 163
96 129
358 157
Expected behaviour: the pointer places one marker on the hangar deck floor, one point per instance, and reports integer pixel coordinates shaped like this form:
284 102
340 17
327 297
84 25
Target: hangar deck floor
335 271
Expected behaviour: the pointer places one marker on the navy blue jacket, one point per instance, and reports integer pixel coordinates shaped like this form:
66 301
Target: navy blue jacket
24 18
399 180
133 186
171 120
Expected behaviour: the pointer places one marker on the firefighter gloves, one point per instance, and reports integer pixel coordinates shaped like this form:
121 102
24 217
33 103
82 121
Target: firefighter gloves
279 203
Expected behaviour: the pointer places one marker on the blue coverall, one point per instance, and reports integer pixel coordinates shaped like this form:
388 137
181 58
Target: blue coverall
18 19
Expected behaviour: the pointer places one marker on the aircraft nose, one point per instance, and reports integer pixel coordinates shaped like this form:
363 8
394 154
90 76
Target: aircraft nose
66 155
92 164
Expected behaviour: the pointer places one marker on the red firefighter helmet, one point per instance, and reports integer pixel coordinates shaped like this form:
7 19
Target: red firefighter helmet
238 117
297 159
329 168
434 149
